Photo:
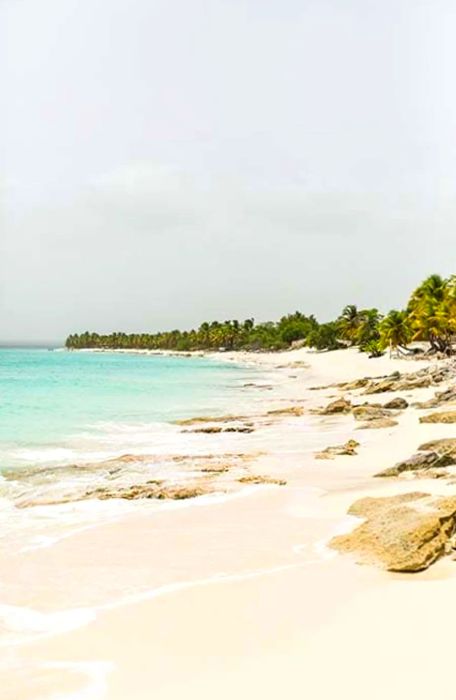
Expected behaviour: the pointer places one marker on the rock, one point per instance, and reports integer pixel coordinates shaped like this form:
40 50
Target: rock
209 419
349 448
215 429
431 403
381 386
338 406
240 429
420 461
432 474
443 417
369 413
378 423
446 396
406 382
209 430
148 490
444 446
413 383
152 489
397 403
440 398
258 479
289 411
356 384
407 532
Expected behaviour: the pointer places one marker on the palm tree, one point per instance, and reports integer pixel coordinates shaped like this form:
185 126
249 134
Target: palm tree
432 308
348 323
395 331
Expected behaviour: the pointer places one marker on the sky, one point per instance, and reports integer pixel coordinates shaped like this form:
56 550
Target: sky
166 162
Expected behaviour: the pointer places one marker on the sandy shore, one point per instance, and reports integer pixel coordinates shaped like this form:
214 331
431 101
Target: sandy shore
240 596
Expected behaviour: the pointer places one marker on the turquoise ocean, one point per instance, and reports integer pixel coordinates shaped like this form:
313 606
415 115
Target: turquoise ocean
58 406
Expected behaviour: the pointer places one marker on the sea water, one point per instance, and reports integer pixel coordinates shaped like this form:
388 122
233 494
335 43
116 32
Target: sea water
58 406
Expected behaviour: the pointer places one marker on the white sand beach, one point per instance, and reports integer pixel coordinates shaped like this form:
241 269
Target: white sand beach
238 595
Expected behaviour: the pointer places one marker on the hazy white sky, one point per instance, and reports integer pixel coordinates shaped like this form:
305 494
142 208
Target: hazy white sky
163 162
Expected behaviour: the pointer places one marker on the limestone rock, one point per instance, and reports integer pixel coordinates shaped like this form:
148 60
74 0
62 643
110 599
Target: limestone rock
349 448
443 446
259 479
407 532
442 417
419 461
381 386
215 429
356 384
338 406
369 413
289 411
209 419
398 403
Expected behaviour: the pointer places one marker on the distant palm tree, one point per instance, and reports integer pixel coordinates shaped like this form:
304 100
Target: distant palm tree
395 331
348 323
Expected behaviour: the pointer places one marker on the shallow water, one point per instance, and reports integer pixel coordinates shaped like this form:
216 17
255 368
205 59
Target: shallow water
60 406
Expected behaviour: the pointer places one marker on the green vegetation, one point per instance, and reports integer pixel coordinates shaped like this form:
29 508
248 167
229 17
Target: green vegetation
430 316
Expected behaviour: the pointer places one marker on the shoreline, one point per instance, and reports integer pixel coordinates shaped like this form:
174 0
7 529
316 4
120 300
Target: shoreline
277 530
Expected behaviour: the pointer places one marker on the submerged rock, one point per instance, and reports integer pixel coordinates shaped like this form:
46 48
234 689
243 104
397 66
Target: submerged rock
407 532
154 489
349 448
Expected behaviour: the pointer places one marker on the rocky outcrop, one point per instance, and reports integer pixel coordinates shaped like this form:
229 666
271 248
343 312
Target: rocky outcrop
209 419
129 477
349 448
338 406
407 532
442 417
150 490
369 413
380 387
214 429
155 489
396 404
443 446
289 411
426 377
396 381
441 398
260 479
356 384
419 462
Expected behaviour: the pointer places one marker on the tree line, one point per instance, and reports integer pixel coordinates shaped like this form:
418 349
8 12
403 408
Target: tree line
430 316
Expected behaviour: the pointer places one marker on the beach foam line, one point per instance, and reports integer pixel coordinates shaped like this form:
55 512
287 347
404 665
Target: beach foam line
17 619
33 624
